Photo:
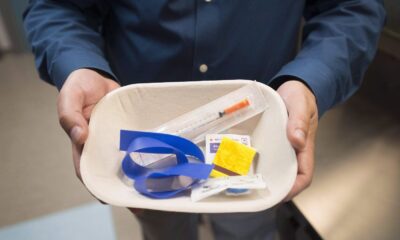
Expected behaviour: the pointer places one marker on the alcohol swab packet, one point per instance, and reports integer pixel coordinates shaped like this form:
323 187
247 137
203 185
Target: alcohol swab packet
232 159
214 140
213 186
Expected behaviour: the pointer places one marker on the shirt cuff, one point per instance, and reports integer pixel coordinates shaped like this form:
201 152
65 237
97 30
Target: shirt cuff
316 75
70 61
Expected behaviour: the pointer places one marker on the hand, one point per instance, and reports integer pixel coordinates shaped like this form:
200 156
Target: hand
79 94
301 130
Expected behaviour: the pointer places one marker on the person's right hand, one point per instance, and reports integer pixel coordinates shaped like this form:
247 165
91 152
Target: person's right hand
79 94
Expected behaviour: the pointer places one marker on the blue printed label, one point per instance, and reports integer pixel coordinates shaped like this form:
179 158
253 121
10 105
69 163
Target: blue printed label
214 147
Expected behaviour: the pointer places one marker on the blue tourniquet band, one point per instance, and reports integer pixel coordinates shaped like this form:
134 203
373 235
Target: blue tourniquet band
160 143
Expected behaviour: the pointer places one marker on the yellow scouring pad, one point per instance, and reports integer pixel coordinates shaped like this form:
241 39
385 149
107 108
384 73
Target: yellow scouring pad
232 158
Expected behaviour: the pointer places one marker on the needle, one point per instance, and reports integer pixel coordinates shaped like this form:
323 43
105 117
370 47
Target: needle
229 110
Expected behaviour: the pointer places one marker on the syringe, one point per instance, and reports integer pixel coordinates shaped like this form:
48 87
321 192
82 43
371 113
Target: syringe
192 129
212 117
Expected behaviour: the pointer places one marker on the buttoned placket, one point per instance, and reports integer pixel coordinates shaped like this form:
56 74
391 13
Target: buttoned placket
206 26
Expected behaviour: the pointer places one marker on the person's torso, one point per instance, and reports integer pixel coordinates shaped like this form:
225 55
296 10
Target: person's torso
185 40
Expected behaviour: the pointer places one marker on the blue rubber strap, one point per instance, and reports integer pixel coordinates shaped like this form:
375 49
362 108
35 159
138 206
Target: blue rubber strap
185 145
196 171
160 143
152 145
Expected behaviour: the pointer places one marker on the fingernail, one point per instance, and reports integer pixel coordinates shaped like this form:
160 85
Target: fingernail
76 133
300 135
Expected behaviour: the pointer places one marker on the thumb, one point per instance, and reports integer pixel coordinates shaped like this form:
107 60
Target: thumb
70 114
298 123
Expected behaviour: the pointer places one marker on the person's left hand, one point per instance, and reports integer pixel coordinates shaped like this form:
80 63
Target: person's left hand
301 130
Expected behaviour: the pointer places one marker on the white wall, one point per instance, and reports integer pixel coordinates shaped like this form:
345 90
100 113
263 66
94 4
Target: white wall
5 43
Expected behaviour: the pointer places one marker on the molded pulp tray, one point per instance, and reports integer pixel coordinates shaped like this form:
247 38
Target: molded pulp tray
146 106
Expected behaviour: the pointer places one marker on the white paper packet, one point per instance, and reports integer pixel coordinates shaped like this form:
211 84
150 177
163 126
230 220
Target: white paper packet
214 186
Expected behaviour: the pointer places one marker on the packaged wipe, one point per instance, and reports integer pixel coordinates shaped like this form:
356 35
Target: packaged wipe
214 140
232 159
214 186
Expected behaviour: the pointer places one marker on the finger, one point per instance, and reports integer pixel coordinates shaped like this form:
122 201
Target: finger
111 85
298 122
92 99
136 211
304 175
76 156
301 183
305 160
104 203
70 107
299 103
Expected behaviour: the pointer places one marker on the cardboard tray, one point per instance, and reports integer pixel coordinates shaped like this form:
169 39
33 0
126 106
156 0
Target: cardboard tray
146 106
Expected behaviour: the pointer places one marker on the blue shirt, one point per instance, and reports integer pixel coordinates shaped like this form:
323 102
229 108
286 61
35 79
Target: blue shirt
183 40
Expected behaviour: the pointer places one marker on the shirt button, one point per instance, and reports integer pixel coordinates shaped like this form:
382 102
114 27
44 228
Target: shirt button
203 68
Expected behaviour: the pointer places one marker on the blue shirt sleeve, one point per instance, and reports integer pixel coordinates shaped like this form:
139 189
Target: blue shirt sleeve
339 41
65 36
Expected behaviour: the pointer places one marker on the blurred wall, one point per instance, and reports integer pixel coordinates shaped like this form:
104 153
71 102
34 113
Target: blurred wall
393 12
5 43
381 83
11 17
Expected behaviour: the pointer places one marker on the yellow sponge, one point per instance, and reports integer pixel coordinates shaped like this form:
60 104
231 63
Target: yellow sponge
232 158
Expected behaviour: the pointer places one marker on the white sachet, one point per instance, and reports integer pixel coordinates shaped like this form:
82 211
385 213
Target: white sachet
214 186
